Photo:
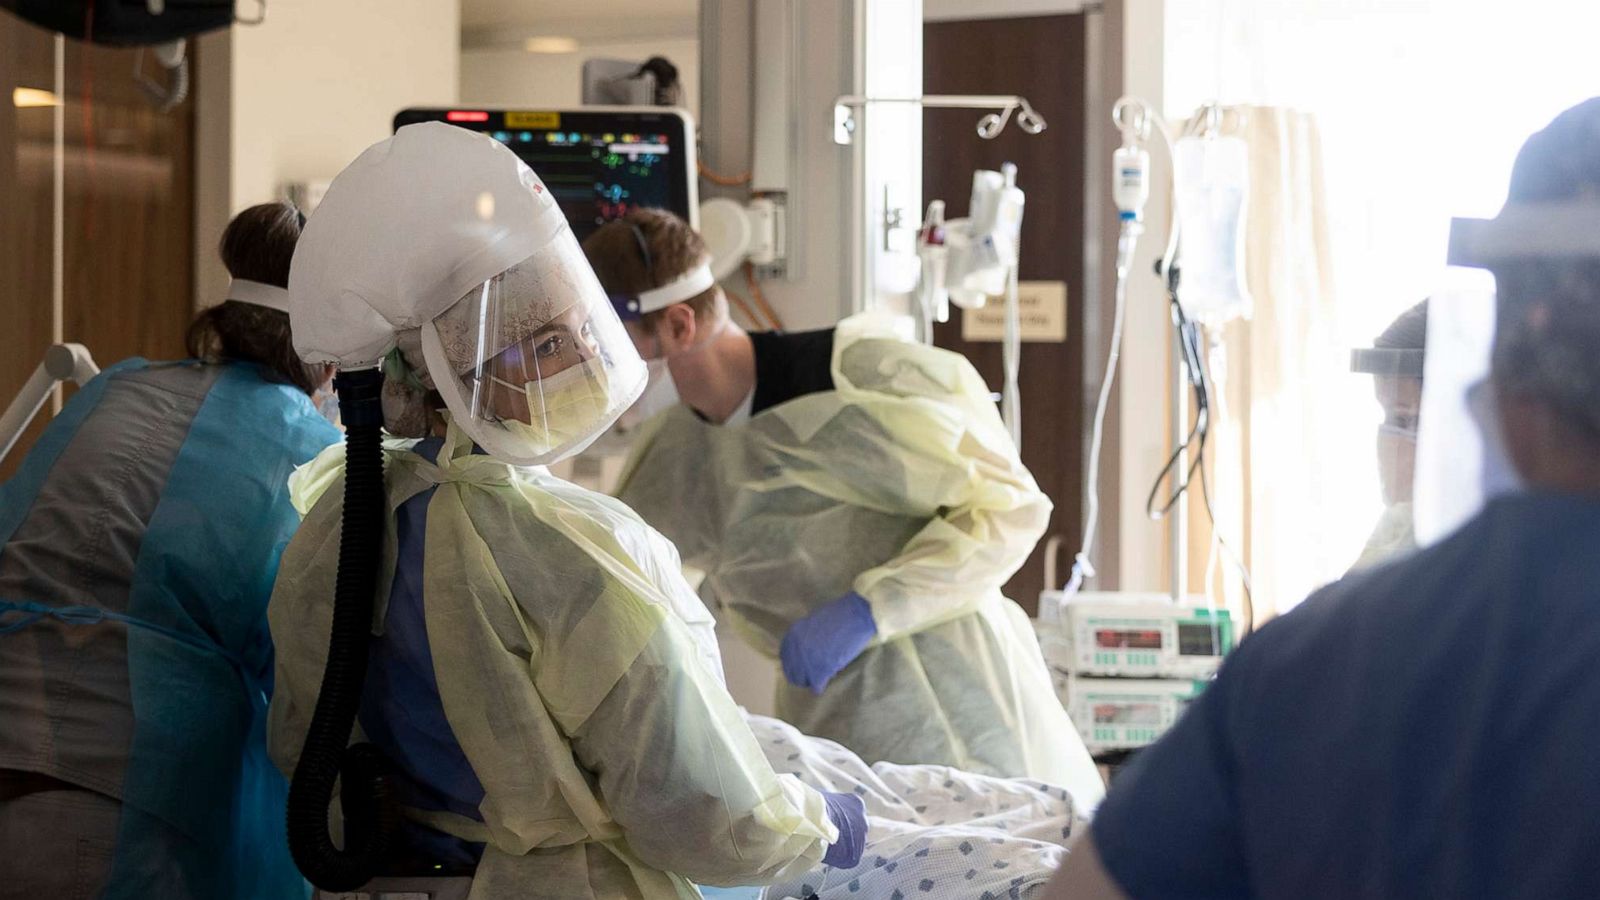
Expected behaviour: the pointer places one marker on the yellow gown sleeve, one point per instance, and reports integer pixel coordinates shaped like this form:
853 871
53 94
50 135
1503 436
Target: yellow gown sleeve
685 779
934 412
988 515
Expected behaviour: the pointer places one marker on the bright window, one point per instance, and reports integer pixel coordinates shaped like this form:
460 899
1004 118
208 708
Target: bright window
1422 106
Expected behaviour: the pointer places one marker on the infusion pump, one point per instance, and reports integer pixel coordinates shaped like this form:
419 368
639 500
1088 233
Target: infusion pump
1124 713
1125 666
1135 636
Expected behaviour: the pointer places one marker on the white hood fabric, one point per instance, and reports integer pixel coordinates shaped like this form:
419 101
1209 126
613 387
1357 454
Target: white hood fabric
404 232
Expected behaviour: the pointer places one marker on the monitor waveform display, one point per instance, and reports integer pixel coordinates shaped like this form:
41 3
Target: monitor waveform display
598 165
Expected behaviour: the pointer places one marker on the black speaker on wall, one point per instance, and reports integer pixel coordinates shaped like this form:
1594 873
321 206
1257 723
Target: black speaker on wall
125 23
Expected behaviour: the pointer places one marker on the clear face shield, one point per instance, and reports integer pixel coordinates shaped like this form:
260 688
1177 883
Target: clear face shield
537 365
1401 399
1462 460
1397 387
1458 441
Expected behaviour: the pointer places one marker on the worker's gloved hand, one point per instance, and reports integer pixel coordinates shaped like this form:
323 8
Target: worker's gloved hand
849 815
821 644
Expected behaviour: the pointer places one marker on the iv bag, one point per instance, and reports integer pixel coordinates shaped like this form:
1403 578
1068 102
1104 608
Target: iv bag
983 247
1211 180
933 298
975 268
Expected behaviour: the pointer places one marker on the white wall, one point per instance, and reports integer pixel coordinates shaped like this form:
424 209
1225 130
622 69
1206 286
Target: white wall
302 95
321 81
510 76
1143 381
825 267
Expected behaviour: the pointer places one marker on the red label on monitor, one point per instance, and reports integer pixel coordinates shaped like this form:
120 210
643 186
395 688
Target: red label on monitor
1128 638
465 115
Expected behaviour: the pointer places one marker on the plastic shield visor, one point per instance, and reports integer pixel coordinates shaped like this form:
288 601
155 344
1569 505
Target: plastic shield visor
533 363
1461 461
1397 380
1461 456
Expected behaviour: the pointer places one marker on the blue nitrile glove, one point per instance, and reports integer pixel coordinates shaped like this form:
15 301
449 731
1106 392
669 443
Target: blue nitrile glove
821 644
849 815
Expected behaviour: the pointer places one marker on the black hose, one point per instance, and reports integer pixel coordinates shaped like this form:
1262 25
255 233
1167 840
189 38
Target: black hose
326 759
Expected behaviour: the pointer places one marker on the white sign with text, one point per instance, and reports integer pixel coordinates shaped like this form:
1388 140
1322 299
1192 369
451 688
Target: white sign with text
1041 311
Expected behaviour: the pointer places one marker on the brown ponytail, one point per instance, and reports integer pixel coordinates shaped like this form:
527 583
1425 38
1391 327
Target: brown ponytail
257 245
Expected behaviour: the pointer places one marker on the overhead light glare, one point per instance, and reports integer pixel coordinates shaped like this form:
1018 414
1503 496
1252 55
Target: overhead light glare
26 97
550 44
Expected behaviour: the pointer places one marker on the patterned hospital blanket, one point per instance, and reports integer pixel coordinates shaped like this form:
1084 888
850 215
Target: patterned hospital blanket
934 833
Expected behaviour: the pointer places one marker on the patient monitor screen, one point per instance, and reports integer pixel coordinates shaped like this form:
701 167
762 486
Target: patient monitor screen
599 163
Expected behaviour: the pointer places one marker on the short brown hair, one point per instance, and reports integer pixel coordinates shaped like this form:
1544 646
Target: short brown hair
257 246
644 250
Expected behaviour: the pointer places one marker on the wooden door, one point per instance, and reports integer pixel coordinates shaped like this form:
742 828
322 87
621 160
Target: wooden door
1041 58
128 226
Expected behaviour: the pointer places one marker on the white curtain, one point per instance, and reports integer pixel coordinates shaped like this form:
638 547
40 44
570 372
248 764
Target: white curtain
1272 433
1422 127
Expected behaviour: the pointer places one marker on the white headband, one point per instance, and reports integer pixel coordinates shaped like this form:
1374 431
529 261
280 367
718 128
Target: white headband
692 283
255 293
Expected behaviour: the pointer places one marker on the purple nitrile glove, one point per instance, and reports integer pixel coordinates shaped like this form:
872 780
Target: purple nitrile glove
821 644
849 815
